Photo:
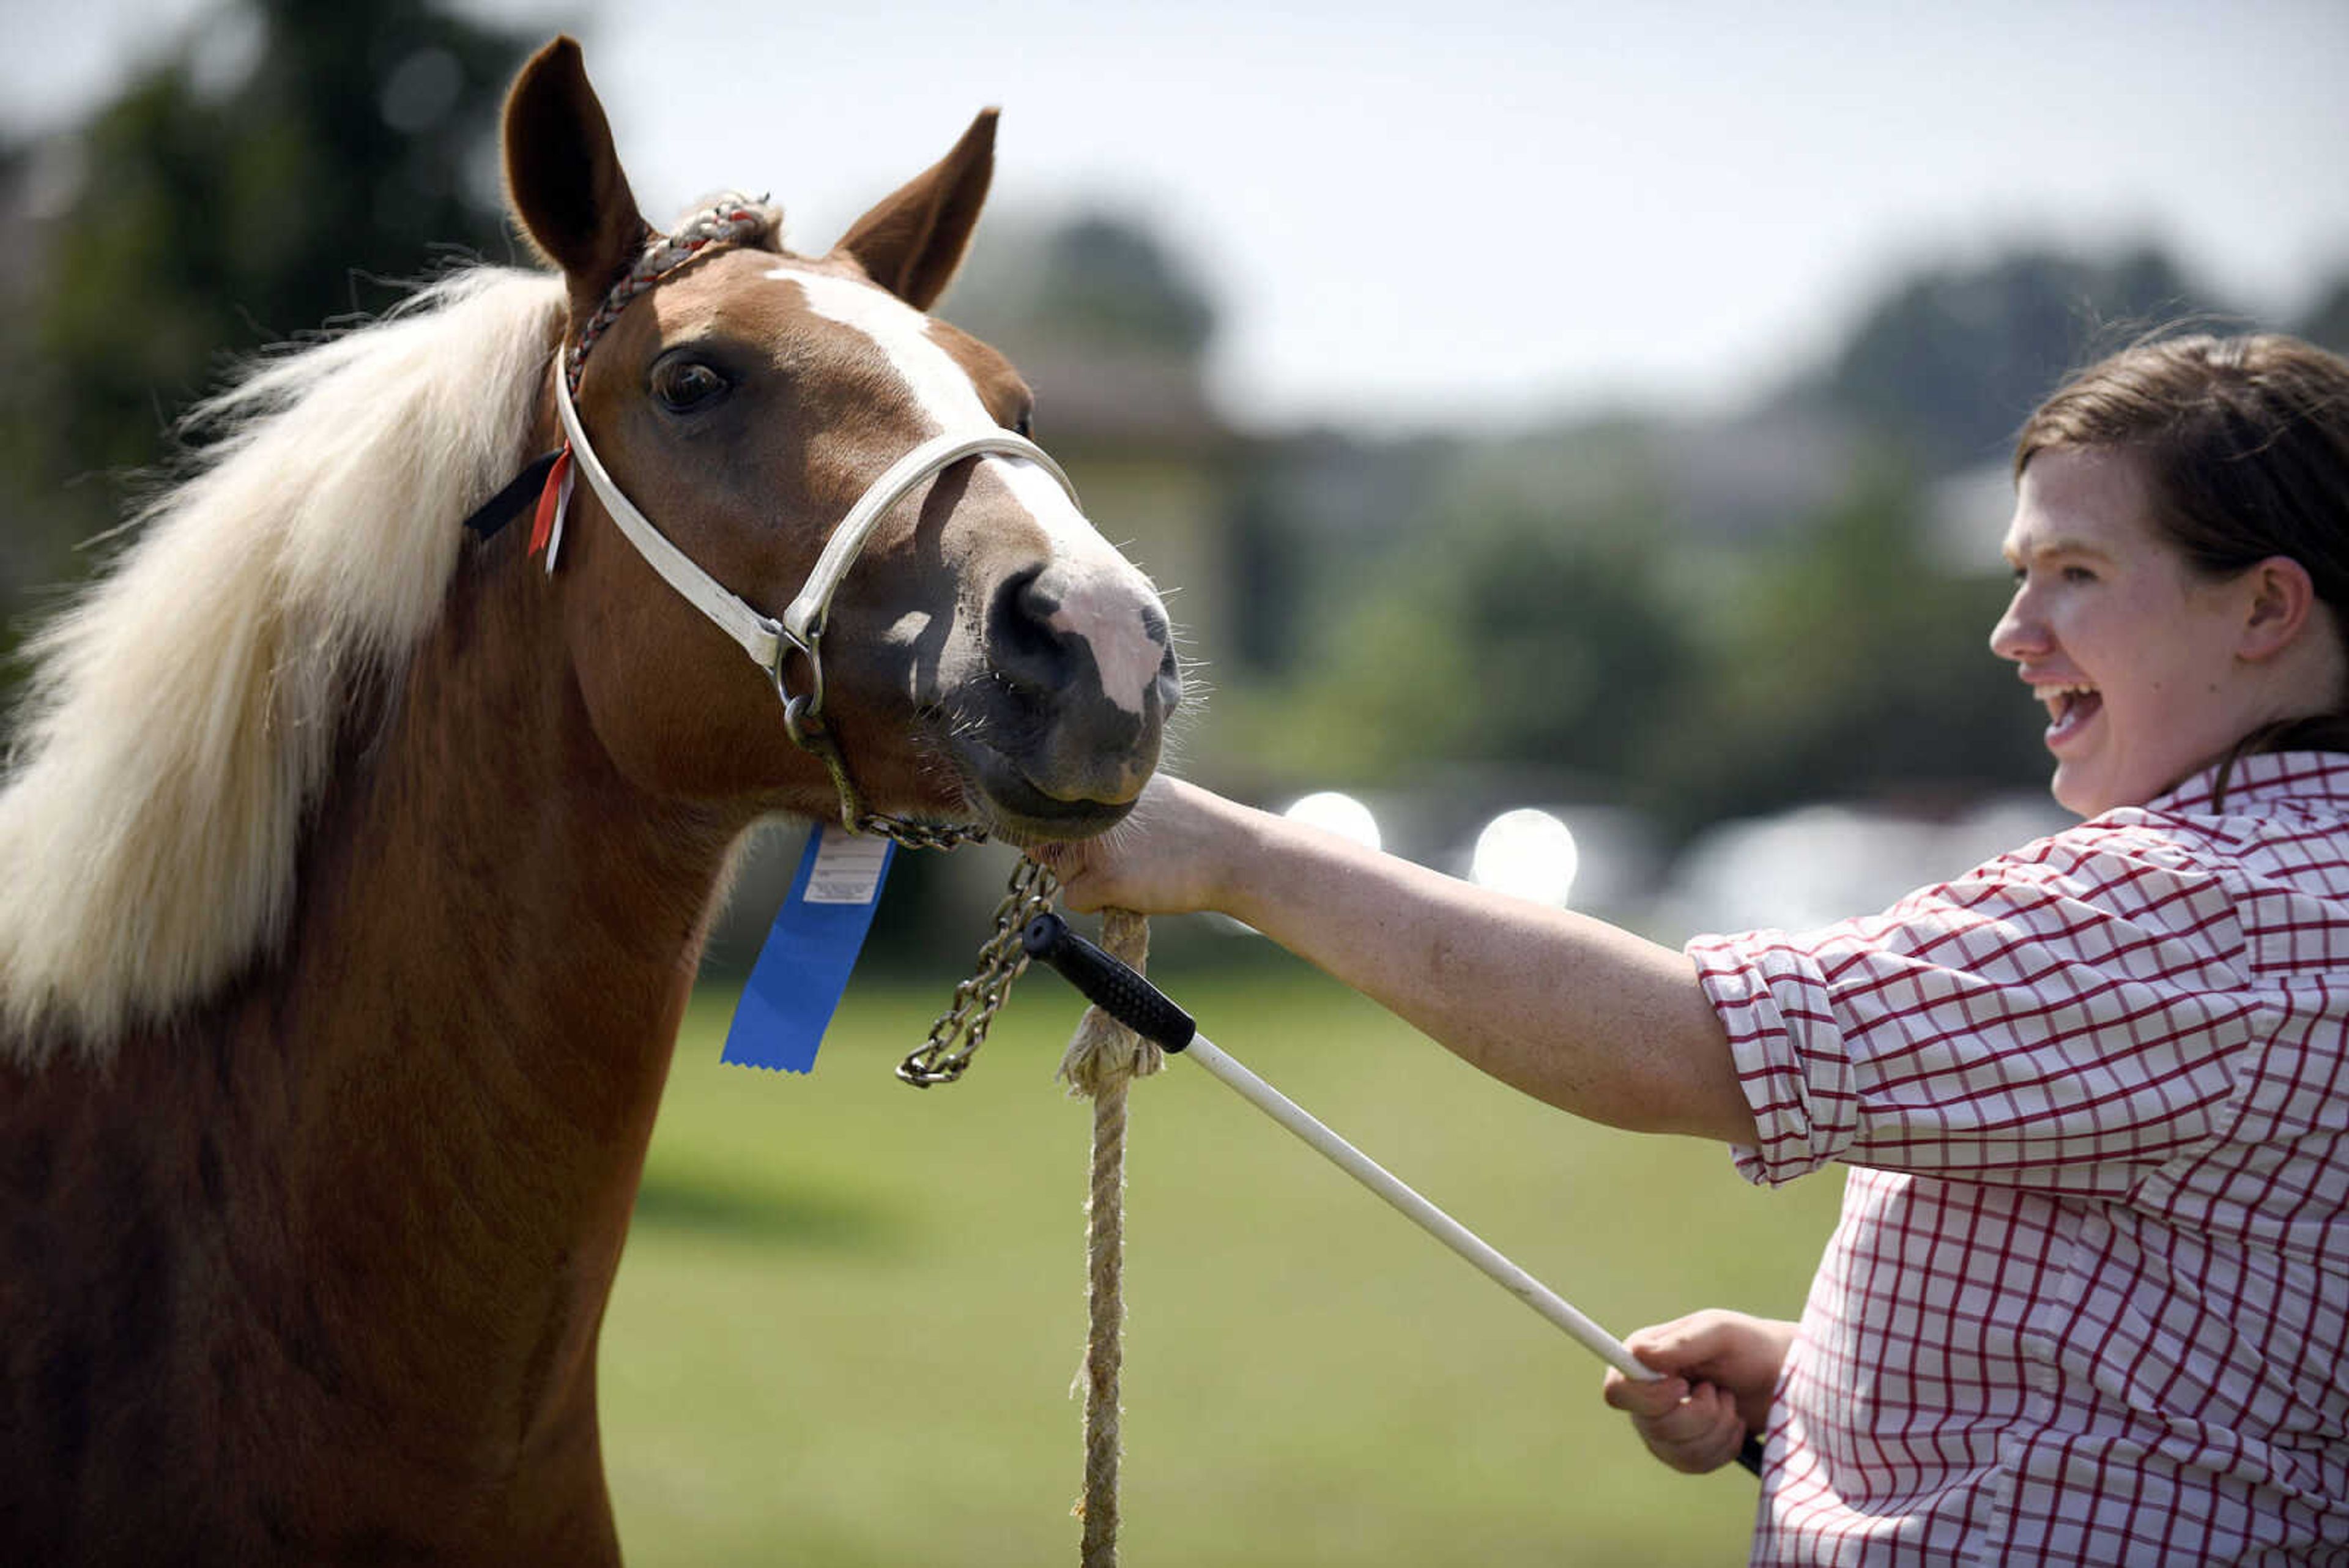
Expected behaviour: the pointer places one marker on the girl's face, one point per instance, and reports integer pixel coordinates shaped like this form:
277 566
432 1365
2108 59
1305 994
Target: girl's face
2134 654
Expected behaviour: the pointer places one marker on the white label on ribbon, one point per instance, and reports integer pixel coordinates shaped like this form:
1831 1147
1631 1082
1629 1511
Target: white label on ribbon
848 867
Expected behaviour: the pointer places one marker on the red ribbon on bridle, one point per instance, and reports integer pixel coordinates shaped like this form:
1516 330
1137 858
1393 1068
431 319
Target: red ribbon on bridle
554 499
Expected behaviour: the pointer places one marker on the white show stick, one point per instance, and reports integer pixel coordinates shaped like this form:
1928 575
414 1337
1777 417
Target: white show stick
1141 1007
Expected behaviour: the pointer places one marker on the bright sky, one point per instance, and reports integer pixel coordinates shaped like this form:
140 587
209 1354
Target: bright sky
1482 209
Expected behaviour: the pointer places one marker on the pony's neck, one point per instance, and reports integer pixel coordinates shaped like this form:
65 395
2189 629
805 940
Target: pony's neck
495 939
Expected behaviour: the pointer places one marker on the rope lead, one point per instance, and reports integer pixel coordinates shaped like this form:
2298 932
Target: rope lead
1102 1058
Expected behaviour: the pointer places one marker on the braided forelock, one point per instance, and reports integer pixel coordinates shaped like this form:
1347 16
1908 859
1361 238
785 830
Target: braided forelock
729 220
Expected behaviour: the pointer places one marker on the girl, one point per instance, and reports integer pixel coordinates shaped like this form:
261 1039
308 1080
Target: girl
2089 1297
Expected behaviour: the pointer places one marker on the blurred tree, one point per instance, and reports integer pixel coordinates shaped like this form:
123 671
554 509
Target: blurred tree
1847 666
1314 515
193 218
1949 363
1503 633
1097 281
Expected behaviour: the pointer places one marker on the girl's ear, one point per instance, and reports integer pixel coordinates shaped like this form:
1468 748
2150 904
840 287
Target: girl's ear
913 240
563 178
2280 596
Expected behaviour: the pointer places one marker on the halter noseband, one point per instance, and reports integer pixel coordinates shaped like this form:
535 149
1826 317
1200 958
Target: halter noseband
769 641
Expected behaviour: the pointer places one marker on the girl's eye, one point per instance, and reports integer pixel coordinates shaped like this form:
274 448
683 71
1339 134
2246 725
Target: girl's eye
2068 573
684 386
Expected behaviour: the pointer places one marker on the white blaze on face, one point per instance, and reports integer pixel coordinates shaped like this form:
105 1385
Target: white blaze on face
1097 588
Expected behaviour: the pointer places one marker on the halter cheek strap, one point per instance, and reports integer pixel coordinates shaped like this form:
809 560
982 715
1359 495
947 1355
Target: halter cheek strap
760 637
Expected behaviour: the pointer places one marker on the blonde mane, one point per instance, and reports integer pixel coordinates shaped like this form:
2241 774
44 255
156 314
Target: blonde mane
182 715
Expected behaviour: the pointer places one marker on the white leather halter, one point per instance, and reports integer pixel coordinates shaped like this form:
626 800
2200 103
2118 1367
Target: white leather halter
769 641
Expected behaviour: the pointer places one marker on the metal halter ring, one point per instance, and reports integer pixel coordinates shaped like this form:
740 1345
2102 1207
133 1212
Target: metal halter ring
803 722
803 714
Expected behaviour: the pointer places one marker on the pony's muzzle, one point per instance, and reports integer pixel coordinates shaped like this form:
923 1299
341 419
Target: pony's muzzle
1082 677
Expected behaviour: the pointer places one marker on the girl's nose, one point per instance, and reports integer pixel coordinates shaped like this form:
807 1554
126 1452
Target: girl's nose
2021 632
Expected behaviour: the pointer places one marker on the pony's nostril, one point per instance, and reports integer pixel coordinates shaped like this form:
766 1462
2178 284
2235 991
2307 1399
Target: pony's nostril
1023 645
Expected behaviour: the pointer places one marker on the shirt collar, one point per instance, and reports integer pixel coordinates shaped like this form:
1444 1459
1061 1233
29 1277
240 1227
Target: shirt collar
2264 776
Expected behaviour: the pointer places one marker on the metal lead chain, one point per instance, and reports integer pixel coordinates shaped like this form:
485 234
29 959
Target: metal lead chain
920 834
962 1029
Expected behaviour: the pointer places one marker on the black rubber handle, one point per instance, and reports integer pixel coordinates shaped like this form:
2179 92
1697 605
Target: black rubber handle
1107 983
1750 1455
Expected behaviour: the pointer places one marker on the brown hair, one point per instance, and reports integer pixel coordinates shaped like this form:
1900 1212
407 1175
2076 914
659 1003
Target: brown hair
2244 446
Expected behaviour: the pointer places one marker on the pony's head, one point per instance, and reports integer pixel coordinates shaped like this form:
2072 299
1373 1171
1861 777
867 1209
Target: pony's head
986 657
988 660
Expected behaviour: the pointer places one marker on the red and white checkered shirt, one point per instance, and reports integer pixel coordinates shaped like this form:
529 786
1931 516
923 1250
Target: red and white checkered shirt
2088 1301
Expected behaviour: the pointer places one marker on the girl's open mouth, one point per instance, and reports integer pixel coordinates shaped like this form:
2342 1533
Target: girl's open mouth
2069 709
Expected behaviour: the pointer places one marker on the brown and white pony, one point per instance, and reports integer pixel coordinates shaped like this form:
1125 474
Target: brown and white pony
354 869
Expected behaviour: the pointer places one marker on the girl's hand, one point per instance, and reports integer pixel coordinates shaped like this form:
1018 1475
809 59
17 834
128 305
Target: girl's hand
1722 1368
1168 857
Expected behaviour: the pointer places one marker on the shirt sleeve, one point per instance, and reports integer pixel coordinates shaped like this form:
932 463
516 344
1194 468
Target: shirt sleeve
2063 1017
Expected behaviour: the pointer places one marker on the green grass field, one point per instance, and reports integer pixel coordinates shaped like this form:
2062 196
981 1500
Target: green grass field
850 1313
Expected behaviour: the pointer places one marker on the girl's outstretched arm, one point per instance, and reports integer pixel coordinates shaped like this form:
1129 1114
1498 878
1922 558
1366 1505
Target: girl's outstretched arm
1570 1010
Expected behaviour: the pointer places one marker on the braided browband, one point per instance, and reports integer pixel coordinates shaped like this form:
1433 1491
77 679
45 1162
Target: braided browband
733 220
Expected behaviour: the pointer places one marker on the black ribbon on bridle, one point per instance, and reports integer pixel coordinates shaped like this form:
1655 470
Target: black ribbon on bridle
507 504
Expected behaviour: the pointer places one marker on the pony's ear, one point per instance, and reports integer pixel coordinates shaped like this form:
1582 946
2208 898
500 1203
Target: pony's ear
563 176
912 243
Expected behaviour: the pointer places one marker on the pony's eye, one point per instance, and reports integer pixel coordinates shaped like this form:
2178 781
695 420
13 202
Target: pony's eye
684 386
1023 423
